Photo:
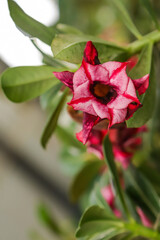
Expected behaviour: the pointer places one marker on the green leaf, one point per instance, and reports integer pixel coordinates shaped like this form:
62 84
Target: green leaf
124 236
51 61
67 161
48 220
126 18
148 6
151 172
48 97
68 138
112 167
52 121
84 178
70 47
96 222
132 207
25 83
65 28
98 199
28 25
139 185
143 67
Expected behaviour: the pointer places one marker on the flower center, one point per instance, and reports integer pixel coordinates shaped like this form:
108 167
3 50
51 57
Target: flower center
104 93
101 90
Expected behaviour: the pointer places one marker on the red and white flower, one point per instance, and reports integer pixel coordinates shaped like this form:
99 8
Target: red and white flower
102 91
125 142
94 143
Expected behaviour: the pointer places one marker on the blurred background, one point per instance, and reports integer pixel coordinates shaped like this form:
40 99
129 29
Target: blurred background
30 175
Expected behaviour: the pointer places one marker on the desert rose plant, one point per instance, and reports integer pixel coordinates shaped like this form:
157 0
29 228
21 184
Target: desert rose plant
107 80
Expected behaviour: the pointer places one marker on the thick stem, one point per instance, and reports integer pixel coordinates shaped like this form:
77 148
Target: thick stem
143 231
137 45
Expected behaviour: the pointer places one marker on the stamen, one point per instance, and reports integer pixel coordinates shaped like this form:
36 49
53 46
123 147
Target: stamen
103 93
101 90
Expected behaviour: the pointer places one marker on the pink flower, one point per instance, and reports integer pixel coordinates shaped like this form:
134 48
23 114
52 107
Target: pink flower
109 197
144 219
94 143
102 91
125 142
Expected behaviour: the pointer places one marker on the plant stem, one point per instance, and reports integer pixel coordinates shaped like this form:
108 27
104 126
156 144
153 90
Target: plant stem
156 225
142 231
137 45
113 170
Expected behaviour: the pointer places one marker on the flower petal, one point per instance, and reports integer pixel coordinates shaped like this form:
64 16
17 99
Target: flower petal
112 66
95 140
120 102
132 108
100 109
117 213
82 91
88 122
83 104
65 77
132 143
131 92
144 219
91 54
132 61
108 195
98 73
122 156
80 77
117 116
117 74
141 84
79 136
97 150
142 129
